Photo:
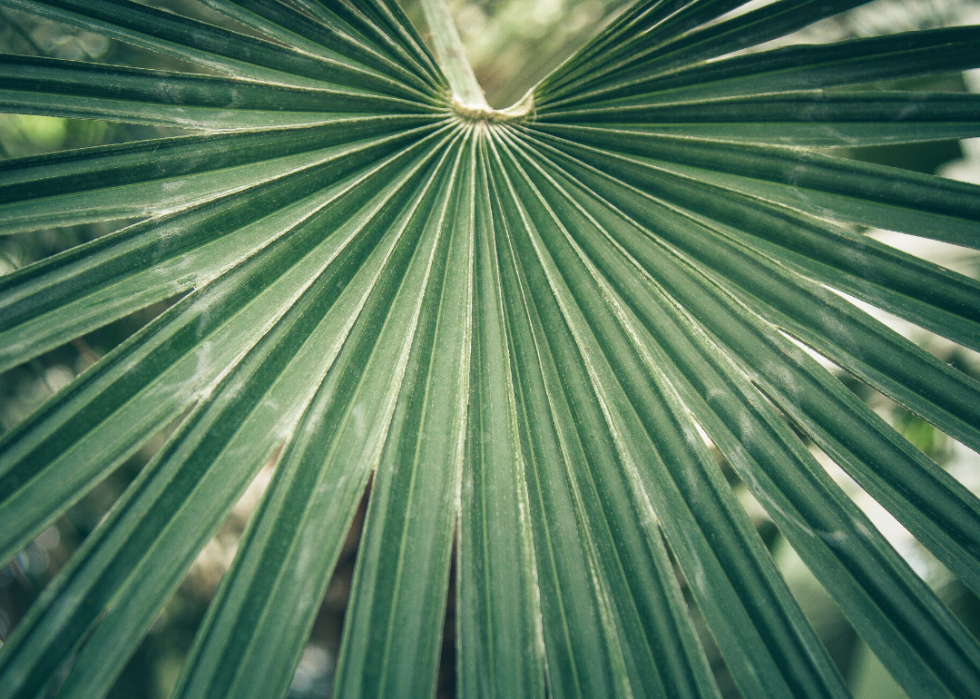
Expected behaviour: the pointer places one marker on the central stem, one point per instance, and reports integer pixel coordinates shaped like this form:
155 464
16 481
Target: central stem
451 55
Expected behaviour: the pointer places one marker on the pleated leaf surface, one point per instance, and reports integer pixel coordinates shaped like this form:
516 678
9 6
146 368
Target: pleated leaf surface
514 329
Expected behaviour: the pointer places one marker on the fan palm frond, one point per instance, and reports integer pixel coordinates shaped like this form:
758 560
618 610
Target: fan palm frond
518 325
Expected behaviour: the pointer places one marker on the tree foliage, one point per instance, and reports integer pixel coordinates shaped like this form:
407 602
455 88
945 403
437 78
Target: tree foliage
517 325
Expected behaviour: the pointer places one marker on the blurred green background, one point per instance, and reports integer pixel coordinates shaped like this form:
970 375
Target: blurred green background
512 45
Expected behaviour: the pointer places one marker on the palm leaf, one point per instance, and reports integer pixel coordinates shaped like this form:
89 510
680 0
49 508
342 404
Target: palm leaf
516 325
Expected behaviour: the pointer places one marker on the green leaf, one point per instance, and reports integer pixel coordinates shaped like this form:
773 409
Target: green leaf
811 118
57 454
831 187
674 42
183 245
164 175
798 67
498 609
210 46
519 331
668 491
49 86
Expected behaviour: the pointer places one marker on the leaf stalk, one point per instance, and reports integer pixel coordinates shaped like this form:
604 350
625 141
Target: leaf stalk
451 55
